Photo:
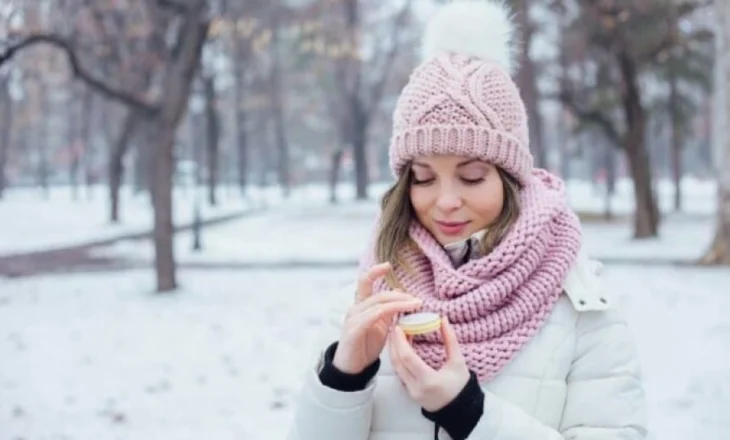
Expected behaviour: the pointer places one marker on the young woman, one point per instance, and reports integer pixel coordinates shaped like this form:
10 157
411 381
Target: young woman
530 345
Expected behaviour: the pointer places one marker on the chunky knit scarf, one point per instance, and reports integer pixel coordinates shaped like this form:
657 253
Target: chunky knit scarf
497 302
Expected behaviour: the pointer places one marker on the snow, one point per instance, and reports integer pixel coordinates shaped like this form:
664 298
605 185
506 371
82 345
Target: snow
88 356
101 356
29 222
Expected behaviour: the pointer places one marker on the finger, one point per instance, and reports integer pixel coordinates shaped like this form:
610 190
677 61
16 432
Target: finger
451 342
405 376
365 284
366 318
385 297
410 360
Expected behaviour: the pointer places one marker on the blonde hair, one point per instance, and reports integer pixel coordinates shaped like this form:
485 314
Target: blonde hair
397 213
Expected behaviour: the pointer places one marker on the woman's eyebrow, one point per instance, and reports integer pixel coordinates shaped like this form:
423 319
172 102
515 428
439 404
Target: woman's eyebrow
467 162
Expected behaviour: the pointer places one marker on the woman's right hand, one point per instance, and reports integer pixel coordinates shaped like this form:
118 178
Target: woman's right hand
365 329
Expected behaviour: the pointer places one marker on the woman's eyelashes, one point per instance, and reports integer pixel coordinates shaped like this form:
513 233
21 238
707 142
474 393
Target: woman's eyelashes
465 180
473 181
417 181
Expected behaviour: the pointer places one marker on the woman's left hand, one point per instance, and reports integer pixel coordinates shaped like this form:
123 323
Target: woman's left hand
432 389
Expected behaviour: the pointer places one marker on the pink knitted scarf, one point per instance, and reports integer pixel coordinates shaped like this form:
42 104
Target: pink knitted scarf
498 302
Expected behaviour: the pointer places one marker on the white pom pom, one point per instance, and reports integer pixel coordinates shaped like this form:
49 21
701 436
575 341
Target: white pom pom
480 28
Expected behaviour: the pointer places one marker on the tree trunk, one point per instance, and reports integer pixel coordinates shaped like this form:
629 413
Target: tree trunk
335 167
277 109
241 116
719 252
42 139
610 167
73 145
264 146
87 111
176 92
356 121
212 130
527 80
116 163
676 142
646 214
162 201
359 155
242 147
6 124
143 159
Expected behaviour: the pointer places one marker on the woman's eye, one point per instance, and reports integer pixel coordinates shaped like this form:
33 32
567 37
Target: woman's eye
417 181
472 181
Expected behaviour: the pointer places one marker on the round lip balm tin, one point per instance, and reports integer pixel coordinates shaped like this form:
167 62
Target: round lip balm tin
419 323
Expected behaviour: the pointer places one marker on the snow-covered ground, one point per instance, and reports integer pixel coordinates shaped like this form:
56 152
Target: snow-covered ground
90 356
87 357
29 222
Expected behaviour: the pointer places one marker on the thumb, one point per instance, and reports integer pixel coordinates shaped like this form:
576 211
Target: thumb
451 343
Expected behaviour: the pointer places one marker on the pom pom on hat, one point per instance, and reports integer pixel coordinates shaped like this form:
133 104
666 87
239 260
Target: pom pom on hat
478 28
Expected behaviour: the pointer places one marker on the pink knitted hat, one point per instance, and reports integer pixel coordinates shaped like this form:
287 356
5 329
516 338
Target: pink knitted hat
461 99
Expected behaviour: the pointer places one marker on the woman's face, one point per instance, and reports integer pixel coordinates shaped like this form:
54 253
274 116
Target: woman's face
455 196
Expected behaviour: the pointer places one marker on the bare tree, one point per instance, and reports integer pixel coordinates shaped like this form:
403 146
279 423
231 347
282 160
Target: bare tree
189 23
359 83
6 124
278 104
242 56
527 78
212 130
719 252
623 39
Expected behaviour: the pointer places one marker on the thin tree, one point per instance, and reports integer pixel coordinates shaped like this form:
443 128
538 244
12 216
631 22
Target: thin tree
719 252
189 24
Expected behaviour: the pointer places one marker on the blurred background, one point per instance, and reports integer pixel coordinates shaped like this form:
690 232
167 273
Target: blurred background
185 184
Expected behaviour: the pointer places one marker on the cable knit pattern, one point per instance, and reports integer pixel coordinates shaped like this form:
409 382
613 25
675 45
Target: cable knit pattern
496 303
455 104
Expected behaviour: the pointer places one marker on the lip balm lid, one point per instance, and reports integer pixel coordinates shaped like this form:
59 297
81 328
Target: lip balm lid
419 318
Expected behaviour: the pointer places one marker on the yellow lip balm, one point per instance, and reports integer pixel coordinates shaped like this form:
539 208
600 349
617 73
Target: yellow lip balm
420 323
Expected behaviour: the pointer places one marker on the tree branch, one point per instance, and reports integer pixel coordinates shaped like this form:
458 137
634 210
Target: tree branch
173 6
379 86
591 116
77 69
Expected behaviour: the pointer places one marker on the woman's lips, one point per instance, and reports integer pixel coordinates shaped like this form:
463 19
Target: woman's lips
451 228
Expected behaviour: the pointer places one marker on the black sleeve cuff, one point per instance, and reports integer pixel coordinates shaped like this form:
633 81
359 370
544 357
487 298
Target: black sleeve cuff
460 416
333 378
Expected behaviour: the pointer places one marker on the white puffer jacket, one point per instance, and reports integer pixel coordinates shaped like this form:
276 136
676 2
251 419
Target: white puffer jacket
579 378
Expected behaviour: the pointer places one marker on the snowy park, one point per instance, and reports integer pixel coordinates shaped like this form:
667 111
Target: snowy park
187 189
89 355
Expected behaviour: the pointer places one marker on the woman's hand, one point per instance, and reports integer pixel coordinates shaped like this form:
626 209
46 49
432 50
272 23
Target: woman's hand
432 389
365 329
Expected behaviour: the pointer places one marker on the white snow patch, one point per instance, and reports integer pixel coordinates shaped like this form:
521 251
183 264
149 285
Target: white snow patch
101 356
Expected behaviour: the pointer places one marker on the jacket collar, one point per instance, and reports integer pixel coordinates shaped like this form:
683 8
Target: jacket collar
584 286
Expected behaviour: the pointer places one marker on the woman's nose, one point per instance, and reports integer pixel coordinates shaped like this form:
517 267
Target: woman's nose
448 200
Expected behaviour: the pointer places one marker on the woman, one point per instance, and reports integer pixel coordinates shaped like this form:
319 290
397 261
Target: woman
530 345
